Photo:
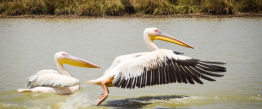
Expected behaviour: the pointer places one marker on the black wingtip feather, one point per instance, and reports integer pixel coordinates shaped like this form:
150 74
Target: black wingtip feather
178 53
221 63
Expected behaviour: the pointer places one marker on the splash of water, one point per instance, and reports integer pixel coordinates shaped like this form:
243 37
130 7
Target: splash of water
80 100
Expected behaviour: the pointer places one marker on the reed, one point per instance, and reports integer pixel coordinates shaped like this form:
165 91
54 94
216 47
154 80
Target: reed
38 7
249 5
218 7
102 8
187 6
155 7
124 7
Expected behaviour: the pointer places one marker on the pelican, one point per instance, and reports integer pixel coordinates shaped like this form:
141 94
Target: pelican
51 81
161 66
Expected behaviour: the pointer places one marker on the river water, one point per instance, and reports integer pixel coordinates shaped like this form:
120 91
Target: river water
28 45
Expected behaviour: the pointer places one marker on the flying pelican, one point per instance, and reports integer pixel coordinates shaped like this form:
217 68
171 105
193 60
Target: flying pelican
51 81
161 66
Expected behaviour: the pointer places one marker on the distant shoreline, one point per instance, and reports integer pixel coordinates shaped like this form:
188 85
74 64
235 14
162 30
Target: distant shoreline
129 8
192 15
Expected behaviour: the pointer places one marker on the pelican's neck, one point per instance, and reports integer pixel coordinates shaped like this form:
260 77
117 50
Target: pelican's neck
149 42
62 69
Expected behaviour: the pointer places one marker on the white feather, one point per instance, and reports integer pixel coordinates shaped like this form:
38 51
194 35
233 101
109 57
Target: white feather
51 78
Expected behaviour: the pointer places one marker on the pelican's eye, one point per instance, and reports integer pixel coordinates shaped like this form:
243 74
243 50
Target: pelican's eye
157 31
64 54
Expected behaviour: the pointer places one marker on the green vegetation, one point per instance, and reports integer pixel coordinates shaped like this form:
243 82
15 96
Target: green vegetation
124 7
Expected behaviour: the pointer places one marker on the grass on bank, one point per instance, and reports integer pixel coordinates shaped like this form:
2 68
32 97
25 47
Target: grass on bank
123 7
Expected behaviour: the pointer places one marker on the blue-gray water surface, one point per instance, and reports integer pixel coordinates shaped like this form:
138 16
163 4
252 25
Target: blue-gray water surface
29 45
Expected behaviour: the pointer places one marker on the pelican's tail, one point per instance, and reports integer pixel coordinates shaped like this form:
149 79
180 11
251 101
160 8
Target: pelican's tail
89 81
24 90
94 82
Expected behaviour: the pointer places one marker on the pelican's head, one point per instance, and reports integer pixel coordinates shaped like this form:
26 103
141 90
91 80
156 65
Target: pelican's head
65 58
151 34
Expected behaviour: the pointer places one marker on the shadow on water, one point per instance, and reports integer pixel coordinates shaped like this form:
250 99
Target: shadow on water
141 101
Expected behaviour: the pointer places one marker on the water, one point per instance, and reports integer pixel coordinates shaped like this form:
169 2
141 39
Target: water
28 45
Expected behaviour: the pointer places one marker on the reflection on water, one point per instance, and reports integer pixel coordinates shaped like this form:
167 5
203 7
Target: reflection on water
28 45
141 101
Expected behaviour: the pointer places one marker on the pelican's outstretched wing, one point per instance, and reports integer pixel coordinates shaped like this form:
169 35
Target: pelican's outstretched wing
51 78
164 67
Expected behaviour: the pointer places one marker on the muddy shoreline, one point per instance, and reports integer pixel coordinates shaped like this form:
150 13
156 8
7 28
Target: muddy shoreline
195 15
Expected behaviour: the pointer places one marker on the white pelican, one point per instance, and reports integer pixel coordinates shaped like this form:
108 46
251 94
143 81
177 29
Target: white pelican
161 66
51 81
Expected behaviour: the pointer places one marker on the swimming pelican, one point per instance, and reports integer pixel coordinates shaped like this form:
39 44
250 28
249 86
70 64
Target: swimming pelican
51 81
161 66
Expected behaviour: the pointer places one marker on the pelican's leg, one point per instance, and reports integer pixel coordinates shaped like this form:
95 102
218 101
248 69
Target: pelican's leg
105 94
